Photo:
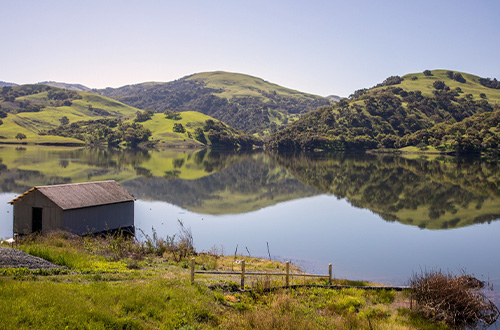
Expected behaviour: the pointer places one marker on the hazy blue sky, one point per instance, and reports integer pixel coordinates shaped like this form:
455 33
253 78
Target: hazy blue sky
321 47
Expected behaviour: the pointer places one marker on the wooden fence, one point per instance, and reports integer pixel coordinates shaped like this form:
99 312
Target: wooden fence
243 273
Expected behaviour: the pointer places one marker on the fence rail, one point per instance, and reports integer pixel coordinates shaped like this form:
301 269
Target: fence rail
243 273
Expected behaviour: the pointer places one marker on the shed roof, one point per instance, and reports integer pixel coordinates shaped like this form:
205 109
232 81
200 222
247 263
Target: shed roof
78 195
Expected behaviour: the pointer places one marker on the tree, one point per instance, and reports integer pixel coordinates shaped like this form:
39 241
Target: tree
458 77
134 133
64 120
438 84
200 135
427 73
178 128
169 114
142 116
20 136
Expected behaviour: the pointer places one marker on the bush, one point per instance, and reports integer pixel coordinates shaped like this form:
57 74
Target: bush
427 73
169 114
20 136
142 116
458 77
456 300
438 84
178 128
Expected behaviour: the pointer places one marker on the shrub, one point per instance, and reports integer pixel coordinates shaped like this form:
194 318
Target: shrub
142 116
169 114
178 128
458 77
438 84
456 300
20 136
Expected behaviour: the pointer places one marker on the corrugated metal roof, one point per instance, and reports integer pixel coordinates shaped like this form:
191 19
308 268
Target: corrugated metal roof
78 195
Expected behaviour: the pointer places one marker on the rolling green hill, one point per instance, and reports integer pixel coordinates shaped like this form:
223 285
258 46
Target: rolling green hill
44 114
244 102
445 110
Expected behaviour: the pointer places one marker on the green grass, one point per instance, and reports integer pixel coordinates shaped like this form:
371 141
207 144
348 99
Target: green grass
156 293
14 124
162 127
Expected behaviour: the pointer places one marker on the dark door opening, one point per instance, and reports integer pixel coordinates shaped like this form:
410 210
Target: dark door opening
36 220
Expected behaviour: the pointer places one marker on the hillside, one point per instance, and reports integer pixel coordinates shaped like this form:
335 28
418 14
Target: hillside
445 110
244 102
43 114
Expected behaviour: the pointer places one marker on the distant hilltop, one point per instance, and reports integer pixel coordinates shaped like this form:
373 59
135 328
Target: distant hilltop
75 87
6 84
335 98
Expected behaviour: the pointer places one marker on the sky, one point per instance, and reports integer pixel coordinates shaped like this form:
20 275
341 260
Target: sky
319 47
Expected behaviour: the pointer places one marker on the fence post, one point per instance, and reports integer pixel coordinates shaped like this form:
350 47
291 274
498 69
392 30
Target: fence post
192 270
287 274
330 274
243 274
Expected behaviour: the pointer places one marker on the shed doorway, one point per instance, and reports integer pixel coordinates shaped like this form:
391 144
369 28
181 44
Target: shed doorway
36 220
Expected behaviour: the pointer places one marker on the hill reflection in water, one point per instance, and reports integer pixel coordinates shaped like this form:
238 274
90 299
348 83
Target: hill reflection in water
432 193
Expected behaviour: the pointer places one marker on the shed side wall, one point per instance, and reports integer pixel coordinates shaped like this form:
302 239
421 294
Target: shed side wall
98 218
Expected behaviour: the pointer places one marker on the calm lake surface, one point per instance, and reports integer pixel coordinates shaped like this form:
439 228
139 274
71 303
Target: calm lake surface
374 217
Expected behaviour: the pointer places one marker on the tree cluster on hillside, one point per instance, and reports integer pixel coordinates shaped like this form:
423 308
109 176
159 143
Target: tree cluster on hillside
490 83
55 97
110 131
393 117
222 136
142 116
456 76
247 113
480 132
63 95
9 93
169 114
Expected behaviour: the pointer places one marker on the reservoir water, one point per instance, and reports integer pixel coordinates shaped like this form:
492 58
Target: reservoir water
374 217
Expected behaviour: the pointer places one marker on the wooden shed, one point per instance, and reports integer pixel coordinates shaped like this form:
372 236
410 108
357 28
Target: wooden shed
79 208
